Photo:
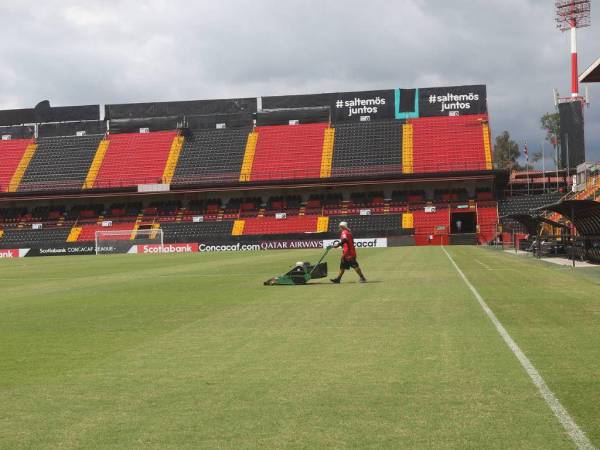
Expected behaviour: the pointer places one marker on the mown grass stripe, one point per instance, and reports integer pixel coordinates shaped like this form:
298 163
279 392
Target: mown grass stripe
575 433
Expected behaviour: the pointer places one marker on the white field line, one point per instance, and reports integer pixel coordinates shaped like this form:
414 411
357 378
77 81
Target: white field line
573 430
481 263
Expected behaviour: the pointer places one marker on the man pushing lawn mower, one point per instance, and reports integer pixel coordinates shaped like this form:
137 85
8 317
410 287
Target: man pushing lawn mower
348 254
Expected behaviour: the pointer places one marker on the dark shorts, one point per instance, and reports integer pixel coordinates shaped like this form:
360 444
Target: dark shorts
348 263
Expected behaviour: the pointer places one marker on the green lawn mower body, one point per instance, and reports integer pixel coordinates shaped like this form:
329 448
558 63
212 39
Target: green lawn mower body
301 273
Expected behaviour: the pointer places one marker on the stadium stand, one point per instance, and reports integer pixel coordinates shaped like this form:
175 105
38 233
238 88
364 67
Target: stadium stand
60 163
181 232
288 152
523 204
361 225
447 144
211 156
87 233
131 159
271 225
11 157
369 148
26 237
218 158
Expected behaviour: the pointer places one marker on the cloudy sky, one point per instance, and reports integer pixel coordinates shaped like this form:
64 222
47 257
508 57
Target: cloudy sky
113 51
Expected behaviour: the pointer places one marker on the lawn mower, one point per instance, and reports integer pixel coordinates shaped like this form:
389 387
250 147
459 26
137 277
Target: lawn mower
301 273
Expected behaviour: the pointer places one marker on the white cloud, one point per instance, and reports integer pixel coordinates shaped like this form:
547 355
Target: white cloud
95 51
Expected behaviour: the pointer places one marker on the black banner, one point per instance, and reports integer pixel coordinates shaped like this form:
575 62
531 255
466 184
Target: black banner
362 106
210 121
571 134
296 101
152 123
43 113
452 101
16 117
302 115
66 249
74 113
18 132
167 109
71 128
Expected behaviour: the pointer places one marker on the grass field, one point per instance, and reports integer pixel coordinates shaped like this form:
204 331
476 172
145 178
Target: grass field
191 351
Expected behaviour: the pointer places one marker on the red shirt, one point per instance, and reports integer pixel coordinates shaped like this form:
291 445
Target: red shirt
349 252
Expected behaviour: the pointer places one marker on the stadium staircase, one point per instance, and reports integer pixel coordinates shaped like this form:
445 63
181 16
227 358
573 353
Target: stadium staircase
90 179
212 156
407 148
249 153
464 239
60 163
288 152
74 234
327 156
487 221
173 159
13 160
16 179
132 159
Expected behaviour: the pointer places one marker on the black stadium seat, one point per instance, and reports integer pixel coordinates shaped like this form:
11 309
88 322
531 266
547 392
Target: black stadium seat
360 225
185 232
60 163
367 148
25 237
212 156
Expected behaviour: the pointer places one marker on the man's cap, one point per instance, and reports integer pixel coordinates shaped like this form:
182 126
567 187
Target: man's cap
344 224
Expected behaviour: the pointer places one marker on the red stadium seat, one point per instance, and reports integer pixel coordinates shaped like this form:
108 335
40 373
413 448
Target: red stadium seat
288 152
448 144
137 158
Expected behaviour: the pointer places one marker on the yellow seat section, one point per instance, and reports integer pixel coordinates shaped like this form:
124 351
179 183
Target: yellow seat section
487 146
15 181
155 228
408 221
327 158
96 164
173 159
249 156
74 234
238 228
322 224
407 148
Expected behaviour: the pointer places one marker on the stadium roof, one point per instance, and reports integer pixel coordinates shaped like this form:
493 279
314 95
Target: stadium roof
591 74
585 214
532 222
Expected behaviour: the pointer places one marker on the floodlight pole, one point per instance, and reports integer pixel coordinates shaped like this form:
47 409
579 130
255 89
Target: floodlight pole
570 15
574 70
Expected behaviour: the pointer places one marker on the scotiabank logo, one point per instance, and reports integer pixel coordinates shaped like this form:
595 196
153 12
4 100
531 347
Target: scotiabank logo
14 253
168 248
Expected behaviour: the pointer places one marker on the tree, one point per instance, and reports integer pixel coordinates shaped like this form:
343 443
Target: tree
506 152
550 123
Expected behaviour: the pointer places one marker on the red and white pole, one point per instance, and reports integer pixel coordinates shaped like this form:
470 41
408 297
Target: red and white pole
574 71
